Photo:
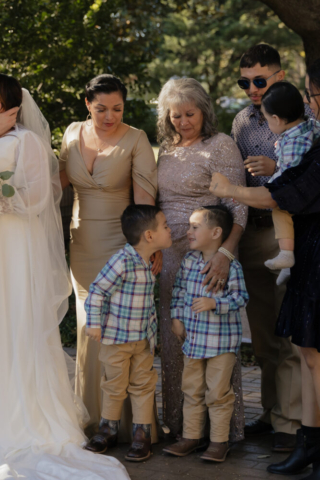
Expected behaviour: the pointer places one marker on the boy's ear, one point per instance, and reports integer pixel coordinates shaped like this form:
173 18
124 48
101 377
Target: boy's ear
216 233
148 236
277 119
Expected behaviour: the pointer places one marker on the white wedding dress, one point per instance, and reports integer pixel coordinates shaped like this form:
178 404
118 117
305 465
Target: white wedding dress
40 434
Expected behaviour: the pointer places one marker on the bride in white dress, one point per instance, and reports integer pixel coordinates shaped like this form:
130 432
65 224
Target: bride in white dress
40 434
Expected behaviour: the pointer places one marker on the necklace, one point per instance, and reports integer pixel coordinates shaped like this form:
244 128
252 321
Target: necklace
99 149
191 143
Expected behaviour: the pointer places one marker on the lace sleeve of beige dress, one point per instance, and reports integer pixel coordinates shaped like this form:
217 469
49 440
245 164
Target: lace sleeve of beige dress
144 167
230 165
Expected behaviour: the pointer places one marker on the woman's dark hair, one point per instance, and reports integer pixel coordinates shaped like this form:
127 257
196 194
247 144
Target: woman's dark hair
105 83
284 100
313 72
10 92
218 216
263 54
136 219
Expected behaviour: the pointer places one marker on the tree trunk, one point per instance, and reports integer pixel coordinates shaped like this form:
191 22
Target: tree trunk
303 17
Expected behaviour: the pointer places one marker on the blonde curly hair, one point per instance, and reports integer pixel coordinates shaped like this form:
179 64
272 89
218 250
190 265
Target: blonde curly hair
177 92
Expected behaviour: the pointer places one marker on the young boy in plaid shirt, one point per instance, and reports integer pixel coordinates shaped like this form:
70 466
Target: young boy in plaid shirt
283 108
121 313
210 326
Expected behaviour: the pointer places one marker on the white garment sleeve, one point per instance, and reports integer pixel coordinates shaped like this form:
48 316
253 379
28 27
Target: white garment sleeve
31 179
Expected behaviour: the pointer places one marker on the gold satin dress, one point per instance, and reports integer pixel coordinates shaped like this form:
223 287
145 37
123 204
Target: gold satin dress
99 200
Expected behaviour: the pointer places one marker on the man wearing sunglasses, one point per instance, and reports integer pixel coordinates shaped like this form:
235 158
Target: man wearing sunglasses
278 358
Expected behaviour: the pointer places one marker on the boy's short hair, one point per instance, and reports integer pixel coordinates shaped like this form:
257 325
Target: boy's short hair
136 219
218 216
263 54
284 100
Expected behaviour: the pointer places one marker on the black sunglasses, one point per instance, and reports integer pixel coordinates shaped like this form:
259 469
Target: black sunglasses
257 82
309 96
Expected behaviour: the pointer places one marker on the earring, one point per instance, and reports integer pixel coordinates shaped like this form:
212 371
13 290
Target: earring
89 118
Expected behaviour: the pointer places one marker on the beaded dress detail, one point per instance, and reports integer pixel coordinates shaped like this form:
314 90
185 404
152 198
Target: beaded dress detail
184 176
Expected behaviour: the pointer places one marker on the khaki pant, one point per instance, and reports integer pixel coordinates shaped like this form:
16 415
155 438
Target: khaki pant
206 387
278 358
283 224
128 369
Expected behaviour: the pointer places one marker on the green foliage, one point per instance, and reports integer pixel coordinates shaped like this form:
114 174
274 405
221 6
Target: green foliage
5 175
56 47
205 40
6 190
68 326
141 115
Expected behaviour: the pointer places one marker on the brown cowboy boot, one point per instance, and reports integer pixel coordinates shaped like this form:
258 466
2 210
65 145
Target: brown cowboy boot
216 452
140 448
185 446
106 437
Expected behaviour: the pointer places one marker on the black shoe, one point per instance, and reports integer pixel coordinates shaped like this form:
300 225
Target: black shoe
315 475
257 427
299 459
284 442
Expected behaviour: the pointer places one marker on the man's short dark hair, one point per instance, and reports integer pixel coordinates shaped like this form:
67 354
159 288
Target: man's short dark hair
218 216
263 54
284 100
136 219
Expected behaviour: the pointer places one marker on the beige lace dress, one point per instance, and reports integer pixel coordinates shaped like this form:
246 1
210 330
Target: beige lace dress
184 176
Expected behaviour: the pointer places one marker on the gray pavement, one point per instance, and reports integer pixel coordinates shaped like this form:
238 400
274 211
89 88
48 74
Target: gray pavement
247 459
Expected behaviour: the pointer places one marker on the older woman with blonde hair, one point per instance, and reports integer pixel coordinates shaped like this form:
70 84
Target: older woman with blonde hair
191 149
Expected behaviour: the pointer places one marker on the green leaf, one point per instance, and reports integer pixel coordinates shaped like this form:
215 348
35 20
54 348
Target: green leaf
6 175
7 191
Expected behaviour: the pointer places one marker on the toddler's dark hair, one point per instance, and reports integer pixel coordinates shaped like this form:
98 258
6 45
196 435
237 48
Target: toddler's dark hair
136 219
314 77
218 216
284 99
263 54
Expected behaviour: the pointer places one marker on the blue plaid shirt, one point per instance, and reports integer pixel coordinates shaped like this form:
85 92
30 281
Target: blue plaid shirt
121 300
213 332
294 143
251 132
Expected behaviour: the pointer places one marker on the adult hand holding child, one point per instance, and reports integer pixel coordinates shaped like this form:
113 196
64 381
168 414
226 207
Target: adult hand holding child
178 329
260 165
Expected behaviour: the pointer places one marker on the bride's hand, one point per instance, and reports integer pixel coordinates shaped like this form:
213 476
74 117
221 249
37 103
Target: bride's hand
220 185
8 120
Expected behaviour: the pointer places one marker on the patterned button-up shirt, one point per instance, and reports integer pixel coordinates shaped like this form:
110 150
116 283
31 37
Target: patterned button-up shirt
251 132
121 300
213 332
294 143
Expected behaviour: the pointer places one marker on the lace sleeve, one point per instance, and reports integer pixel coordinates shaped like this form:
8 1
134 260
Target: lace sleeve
229 162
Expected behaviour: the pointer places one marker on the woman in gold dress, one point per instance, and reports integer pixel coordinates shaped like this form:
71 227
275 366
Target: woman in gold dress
109 165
